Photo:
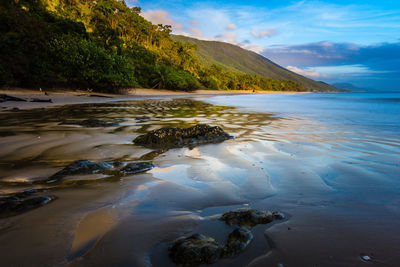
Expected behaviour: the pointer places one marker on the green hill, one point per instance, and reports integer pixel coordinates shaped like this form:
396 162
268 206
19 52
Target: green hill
235 58
106 45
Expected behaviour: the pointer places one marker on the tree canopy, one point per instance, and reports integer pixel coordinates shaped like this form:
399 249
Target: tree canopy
104 45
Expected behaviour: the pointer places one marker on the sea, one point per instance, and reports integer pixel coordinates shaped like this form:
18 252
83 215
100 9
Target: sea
330 162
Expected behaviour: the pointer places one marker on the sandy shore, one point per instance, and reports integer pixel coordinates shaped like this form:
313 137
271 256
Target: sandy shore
331 169
81 97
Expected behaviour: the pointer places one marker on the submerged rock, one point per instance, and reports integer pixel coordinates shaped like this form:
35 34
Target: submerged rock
250 217
194 250
17 203
81 167
84 167
179 137
237 242
137 167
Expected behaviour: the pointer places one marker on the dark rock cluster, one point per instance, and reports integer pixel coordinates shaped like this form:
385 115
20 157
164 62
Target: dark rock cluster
199 249
83 167
17 203
237 242
180 137
194 250
20 202
249 217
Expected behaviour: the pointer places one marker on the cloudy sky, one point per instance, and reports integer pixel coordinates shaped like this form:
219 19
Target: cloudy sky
333 41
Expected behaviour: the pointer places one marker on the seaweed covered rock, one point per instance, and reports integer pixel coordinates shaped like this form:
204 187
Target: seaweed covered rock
20 202
237 242
81 167
199 249
249 217
137 167
179 137
84 167
194 250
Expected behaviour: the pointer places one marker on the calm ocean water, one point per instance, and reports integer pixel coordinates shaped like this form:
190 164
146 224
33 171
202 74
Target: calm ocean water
375 111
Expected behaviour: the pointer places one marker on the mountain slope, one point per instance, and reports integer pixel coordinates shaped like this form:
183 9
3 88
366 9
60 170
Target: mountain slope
235 58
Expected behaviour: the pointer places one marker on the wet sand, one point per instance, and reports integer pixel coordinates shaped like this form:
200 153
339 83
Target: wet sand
65 97
341 200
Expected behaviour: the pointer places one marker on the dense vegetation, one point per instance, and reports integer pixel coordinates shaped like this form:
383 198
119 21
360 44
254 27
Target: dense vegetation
104 45
234 58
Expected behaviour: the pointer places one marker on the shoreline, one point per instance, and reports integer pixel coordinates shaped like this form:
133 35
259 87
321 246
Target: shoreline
300 166
69 97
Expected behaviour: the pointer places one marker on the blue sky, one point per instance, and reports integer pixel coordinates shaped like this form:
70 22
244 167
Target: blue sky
332 41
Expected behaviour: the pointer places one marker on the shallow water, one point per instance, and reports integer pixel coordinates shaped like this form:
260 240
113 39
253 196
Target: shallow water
330 162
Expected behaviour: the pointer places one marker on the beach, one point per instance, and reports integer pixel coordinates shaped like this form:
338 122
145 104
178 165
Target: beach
325 161
68 97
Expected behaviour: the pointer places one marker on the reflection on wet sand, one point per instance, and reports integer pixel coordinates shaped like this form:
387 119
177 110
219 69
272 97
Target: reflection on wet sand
297 166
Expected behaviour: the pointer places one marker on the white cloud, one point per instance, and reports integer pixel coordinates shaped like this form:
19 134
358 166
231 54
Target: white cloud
196 26
162 17
263 33
231 27
253 47
306 72
231 38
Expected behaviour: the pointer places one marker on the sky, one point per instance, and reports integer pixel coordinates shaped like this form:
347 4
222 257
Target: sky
336 41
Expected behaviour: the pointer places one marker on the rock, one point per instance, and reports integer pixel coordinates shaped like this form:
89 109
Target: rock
5 98
25 193
137 167
16 203
194 250
81 167
152 154
199 249
177 137
249 217
42 100
97 123
237 242
84 167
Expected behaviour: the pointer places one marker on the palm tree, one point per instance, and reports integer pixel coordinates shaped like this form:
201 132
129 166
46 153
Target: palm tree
161 73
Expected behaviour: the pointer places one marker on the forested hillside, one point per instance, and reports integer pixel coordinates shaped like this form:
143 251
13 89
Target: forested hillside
106 45
234 58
